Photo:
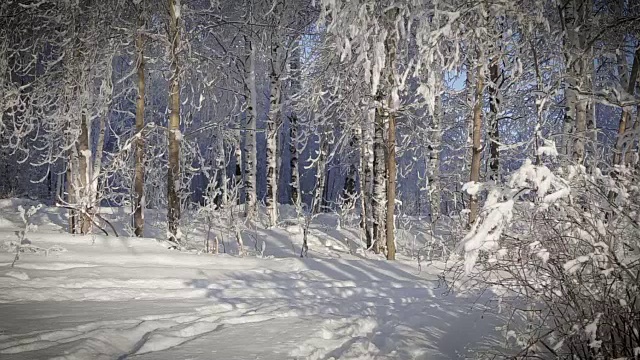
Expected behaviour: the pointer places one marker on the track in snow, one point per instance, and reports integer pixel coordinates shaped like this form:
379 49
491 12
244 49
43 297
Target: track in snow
101 297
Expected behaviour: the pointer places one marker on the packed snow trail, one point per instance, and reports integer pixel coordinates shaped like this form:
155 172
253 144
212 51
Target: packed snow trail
95 297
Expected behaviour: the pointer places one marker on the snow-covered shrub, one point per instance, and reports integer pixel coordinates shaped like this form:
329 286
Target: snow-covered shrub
561 251
23 244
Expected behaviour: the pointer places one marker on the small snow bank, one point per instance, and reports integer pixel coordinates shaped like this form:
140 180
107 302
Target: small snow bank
331 235
17 274
6 224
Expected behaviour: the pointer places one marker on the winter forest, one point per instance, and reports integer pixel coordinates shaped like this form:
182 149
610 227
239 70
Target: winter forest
319 179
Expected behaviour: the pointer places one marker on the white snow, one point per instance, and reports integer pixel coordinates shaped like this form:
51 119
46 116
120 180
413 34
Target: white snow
543 254
472 188
591 331
548 149
18 275
86 153
574 265
485 233
178 134
108 297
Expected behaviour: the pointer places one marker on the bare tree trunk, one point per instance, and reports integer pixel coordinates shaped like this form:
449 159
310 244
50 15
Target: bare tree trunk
391 187
173 176
630 145
366 172
237 179
97 161
272 185
582 106
321 173
221 168
349 188
60 178
476 146
71 194
580 130
84 176
592 130
250 131
97 158
494 131
379 183
569 22
569 120
273 122
279 146
629 82
293 162
390 153
434 188
326 187
348 194
138 180
575 17
539 109
294 181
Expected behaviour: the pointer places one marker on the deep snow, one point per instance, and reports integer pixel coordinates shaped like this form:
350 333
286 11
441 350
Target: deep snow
94 297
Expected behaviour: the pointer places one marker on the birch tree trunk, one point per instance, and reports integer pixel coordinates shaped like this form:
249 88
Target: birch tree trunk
366 172
569 22
494 130
348 193
138 180
250 130
379 183
293 162
294 181
539 109
434 188
569 121
84 176
272 143
71 192
582 106
273 122
237 179
173 176
584 10
476 146
97 163
326 187
321 168
225 177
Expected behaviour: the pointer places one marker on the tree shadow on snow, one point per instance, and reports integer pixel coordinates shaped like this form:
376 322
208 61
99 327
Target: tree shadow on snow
368 307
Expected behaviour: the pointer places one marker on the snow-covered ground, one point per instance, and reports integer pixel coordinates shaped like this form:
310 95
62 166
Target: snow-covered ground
91 297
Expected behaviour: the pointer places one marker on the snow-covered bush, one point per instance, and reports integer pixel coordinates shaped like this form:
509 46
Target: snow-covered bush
561 251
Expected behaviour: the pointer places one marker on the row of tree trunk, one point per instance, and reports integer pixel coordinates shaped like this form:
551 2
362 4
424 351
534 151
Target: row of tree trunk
376 136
